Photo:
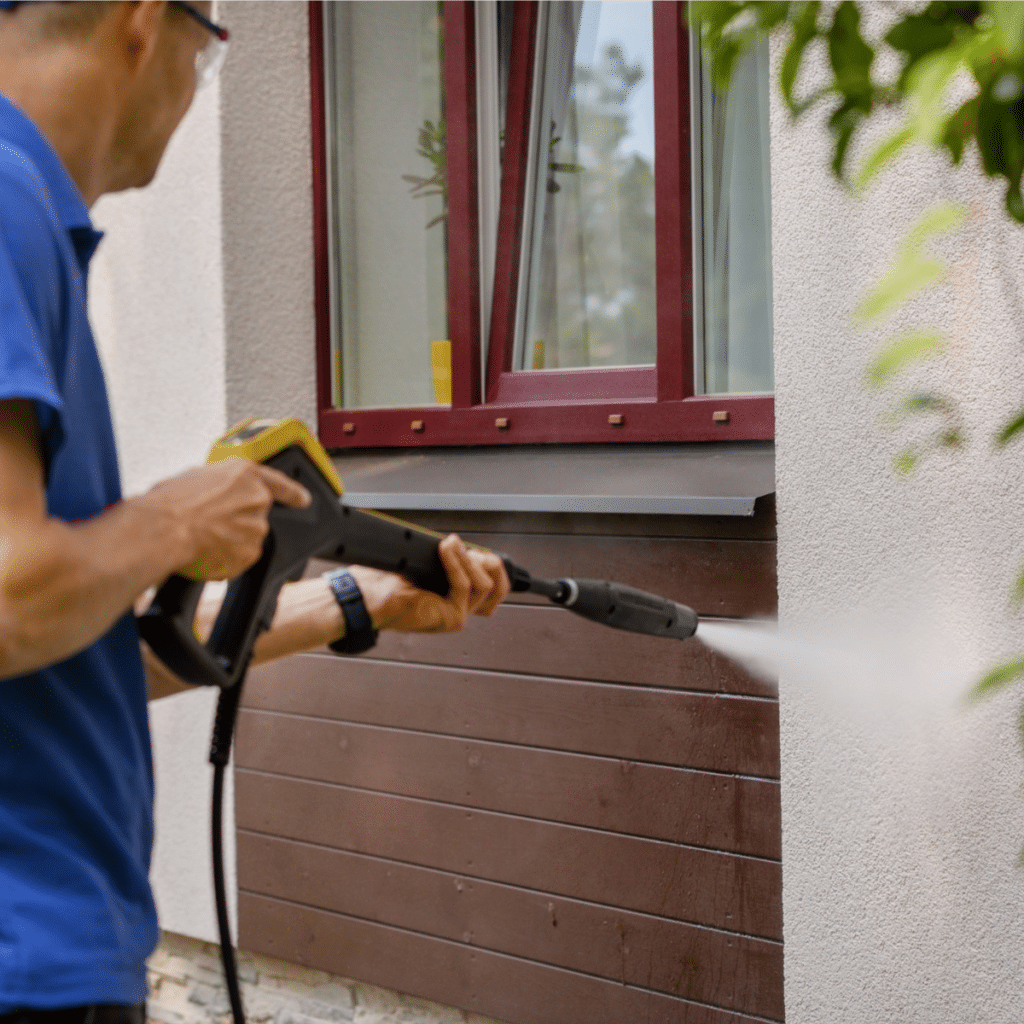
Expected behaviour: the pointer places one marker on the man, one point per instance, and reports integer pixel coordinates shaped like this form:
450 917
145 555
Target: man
90 94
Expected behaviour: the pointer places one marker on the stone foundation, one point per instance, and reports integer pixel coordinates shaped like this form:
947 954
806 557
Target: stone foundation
186 986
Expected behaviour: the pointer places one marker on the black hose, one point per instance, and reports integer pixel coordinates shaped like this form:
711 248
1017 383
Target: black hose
220 751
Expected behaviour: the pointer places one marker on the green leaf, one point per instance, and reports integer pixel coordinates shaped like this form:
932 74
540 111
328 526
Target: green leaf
905 462
1017 594
997 679
918 402
850 55
771 13
1009 19
913 273
905 349
920 33
961 127
882 155
843 123
726 54
952 438
1011 429
1015 202
808 101
925 87
805 28
936 221
712 17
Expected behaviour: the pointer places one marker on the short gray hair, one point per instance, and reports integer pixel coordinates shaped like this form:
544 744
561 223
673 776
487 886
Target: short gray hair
68 19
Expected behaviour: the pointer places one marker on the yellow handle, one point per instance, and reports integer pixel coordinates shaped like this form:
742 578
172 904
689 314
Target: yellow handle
259 440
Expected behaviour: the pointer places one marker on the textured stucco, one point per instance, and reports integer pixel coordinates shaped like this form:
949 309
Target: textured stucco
266 164
156 299
902 808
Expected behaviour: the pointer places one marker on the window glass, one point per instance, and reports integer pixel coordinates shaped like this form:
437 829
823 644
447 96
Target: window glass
587 280
733 222
388 192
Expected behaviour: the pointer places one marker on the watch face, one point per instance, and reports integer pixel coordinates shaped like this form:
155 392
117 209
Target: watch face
345 587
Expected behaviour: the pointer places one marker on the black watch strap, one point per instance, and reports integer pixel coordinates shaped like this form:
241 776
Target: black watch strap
359 632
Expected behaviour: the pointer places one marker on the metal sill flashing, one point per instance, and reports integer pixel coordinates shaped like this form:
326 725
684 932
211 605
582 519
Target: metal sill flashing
721 479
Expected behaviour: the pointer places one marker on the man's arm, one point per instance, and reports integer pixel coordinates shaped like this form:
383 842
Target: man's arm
63 585
308 615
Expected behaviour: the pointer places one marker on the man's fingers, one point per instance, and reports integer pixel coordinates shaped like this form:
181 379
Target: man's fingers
284 490
483 572
483 582
499 585
455 559
477 583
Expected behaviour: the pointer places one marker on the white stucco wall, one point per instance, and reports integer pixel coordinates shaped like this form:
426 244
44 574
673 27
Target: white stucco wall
903 810
267 167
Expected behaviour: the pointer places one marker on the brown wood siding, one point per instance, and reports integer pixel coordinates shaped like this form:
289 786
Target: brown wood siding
537 819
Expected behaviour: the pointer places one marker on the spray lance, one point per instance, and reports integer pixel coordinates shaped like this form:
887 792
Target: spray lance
329 529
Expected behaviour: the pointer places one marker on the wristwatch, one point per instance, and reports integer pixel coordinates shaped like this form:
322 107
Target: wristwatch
359 632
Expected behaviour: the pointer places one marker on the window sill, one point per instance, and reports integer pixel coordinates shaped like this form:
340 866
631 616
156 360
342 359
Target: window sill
724 479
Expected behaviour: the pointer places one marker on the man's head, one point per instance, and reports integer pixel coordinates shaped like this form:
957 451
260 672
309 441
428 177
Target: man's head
65 20
107 81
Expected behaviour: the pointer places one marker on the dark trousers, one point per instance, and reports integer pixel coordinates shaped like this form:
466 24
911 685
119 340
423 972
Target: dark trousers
102 1013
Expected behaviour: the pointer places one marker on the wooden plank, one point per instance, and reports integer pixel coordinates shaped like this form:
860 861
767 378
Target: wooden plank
613 794
509 988
759 526
697 730
550 641
702 964
723 890
730 578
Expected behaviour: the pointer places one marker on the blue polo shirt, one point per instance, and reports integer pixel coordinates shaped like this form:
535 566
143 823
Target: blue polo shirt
77 918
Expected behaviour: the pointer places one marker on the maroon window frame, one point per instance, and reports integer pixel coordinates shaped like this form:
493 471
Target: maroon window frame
622 404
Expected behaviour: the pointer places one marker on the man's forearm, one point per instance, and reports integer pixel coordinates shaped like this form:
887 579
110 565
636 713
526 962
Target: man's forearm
63 585
307 616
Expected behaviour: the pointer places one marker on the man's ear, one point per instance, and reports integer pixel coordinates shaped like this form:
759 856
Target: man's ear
138 26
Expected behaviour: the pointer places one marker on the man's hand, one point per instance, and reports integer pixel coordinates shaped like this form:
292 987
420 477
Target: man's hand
62 585
222 510
308 615
478 585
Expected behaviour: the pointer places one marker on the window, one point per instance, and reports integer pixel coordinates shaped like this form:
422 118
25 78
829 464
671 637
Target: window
526 232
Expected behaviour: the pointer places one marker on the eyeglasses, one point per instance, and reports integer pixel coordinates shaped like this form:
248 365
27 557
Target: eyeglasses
211 57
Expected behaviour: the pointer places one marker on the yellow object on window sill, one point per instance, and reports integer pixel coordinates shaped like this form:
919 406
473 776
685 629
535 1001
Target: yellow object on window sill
538 355
441 364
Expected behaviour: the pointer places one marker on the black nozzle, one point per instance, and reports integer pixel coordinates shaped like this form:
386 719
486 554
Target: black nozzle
611 604
622 607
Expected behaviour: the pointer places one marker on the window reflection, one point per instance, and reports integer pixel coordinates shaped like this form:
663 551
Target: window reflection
733 223
587 283
388 195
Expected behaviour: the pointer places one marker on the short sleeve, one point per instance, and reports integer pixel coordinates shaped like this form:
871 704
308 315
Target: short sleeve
31 273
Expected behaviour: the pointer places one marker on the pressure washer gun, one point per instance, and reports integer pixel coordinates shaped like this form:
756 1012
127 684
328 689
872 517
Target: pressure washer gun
329 529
